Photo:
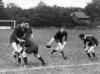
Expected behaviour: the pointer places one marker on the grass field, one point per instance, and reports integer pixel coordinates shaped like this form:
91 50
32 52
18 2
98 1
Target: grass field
77 62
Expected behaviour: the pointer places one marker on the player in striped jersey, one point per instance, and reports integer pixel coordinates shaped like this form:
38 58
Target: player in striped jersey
90 43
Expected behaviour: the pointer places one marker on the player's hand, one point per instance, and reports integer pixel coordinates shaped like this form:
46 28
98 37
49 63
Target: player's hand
64 43
48 45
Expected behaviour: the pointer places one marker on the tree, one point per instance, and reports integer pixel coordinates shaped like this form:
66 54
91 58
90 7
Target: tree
3 14
93 10
12 5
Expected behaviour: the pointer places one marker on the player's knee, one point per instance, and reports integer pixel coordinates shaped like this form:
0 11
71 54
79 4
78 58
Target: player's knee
92 51
37 55
24 54
88 51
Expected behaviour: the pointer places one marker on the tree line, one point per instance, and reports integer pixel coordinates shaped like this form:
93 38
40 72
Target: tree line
46 16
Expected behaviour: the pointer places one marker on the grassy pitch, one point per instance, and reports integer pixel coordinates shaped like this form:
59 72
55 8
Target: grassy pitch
77 62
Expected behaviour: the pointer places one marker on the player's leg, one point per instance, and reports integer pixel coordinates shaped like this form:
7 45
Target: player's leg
19 59
61 47
55 50
63 55
92 50
21 54
15 47
24 56
87 51
15 55
37 55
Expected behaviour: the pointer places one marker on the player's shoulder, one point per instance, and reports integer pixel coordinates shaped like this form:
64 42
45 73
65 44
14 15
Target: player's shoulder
89 36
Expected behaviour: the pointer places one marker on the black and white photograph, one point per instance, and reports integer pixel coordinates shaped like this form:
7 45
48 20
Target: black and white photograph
49 36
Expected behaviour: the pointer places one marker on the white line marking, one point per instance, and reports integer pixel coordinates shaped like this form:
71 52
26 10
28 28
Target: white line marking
52 67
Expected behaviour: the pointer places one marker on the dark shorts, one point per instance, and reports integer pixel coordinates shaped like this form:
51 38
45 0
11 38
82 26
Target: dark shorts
31 50
58 41
90 44
32 47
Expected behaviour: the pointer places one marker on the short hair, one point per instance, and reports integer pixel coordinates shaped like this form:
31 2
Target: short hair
81 35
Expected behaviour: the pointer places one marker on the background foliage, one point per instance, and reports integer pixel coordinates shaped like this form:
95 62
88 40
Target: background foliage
46 16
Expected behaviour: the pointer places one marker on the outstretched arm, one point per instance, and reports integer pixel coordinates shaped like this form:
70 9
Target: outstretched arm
66 35
52 39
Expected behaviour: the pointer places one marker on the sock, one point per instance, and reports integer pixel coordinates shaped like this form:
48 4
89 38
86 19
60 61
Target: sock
25 60
19 60
93 54
15 56
89 55
53 51
40 58
63 55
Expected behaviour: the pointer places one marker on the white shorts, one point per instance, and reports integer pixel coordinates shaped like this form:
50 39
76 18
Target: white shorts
18 48
59 47
89 49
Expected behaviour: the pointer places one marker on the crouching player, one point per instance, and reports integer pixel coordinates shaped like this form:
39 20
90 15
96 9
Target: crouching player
90 43
61 39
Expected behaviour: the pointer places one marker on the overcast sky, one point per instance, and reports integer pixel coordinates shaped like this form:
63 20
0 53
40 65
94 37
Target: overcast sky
25 4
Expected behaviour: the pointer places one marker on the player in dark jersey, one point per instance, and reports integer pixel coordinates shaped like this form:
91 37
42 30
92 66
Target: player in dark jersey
30 47
16 39
90 43
61 39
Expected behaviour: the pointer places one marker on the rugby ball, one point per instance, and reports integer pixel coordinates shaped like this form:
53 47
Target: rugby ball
48 46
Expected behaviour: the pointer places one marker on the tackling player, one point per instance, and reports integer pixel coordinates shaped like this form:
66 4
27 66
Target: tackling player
16 39
61 39
90 43
31 46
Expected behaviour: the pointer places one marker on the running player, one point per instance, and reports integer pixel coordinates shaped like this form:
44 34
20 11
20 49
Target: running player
61 39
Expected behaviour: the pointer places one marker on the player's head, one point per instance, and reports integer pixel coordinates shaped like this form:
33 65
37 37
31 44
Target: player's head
81 36
22 25
27 25
63 28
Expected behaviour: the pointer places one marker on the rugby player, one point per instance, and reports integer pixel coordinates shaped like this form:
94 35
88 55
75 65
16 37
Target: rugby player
31 46
21 41
90 43
61 39
16 39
